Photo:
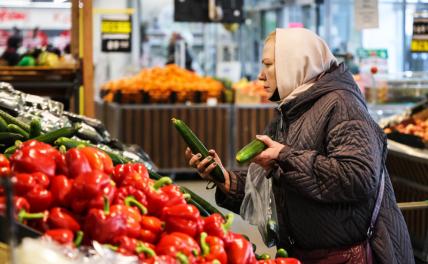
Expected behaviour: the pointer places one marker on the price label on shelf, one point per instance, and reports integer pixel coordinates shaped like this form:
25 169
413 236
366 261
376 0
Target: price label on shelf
116 33
420 35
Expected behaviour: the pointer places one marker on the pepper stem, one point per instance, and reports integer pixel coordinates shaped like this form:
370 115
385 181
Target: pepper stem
204 246
228 223
216 261
79 238
130 201
23 215
62 149
187 196
161 182
182 258
141 248
281 253
106 205
111 247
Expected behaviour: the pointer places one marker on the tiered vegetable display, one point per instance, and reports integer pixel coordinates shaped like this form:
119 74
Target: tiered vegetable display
77 196
76 193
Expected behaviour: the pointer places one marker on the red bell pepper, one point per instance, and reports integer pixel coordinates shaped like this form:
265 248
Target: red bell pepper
39 198
156 197
62 236
183 218
266 261
239 250
19 204
34 156
119 220
212 248
60 218
98 159
98 202
121 171
215 225
60 188
80 204
151 229
175 196
61 162
287 261
125 191
158 259
4 166
125 245
89 185
65 236
146 251
77 163
25 182
176 242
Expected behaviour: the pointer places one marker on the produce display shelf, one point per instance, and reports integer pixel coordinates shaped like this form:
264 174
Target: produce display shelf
59 83
408 171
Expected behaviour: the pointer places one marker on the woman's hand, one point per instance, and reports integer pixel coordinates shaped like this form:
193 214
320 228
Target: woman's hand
268 156
205 168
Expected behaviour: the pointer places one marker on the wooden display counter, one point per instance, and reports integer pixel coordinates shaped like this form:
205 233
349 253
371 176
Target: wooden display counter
224 127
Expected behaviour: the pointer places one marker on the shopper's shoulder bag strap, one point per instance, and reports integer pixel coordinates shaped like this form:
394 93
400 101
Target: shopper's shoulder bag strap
377 206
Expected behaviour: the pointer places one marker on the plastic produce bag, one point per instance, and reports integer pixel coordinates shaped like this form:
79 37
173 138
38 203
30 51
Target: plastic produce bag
258 206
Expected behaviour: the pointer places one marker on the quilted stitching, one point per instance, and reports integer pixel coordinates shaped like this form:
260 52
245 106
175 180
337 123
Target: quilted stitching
329 175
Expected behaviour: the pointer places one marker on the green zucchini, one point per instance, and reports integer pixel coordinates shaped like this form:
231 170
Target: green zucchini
49 137
250 151
8 138
196 146
16 129
35 128
3 125
12 120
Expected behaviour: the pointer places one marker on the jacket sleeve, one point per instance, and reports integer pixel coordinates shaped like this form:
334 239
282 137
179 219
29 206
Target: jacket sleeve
348 171
232 200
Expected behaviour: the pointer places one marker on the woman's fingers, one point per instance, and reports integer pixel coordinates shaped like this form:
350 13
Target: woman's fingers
204 163
194 160
206 173
265 139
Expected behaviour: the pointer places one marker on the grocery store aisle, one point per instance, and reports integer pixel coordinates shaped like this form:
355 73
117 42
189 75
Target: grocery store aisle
239 225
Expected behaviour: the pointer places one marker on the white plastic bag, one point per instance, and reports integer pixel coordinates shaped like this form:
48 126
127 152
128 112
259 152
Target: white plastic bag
258 206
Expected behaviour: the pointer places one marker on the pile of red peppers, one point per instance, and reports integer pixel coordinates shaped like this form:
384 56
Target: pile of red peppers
77 196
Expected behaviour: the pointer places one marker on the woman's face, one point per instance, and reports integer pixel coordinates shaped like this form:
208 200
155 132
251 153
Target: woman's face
267 74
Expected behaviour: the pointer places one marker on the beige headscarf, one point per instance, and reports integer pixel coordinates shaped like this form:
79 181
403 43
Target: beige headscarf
301 58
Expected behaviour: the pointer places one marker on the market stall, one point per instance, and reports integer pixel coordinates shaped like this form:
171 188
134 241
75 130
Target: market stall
74 184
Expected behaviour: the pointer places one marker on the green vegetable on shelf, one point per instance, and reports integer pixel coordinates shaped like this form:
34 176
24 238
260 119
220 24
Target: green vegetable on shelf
35 128
12 120
16 129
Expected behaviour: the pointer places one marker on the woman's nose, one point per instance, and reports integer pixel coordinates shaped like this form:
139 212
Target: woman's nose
262 76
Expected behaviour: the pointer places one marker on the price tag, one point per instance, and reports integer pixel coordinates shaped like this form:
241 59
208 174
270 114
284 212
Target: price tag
116 33
420 35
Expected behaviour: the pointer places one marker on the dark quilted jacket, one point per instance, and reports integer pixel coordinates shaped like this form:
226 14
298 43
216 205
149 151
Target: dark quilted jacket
327 177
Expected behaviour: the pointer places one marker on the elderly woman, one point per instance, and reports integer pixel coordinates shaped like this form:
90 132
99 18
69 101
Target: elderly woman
334 197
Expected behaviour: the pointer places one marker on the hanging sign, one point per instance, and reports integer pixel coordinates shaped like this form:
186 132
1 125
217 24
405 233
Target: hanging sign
366 14
420 35
116 33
